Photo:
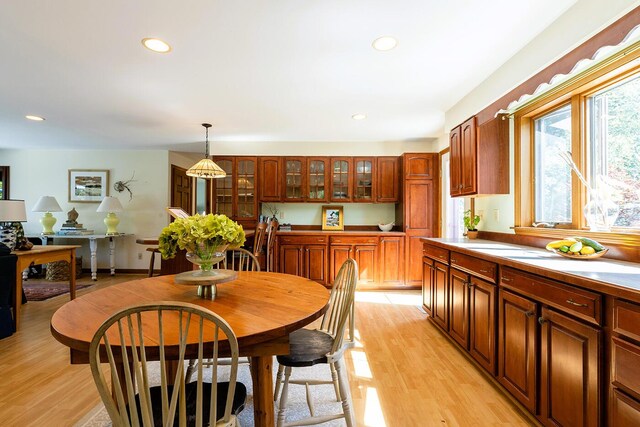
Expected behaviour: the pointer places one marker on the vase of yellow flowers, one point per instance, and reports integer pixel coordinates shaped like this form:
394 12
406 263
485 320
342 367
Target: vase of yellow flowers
204 237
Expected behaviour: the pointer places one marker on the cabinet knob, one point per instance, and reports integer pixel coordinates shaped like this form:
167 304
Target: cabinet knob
505 279
452 259
530 313
483 271
542 320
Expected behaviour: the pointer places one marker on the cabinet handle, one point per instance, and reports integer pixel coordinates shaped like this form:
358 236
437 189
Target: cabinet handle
483 271
505 279
441 256
542 320
469 284
452 259
529 313
577 304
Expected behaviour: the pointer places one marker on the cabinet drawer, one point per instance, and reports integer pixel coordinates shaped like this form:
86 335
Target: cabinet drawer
475 266
626 319
625 366
302 240
436 253
624 410
583 304
354 240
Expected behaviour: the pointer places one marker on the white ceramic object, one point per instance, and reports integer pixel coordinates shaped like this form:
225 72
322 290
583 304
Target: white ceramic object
386 227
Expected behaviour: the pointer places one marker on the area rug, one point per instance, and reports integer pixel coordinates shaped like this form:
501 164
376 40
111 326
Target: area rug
40 290
324 398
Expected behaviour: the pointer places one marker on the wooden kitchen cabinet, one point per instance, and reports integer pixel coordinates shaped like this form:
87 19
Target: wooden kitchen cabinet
364 189
269 179
419 222
391 273
479 157
441 295
428 279
364 250
387 174
459 284
482 323
518 347
318 174
294 179
420 165
235 194
304 256
341 183
569 371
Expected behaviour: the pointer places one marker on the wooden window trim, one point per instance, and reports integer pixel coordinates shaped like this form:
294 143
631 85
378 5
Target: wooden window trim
576 93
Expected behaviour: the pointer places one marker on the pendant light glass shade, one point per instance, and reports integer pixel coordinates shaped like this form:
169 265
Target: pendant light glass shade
206 168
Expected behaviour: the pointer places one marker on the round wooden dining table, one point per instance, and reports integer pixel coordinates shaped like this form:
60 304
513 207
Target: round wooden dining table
262 309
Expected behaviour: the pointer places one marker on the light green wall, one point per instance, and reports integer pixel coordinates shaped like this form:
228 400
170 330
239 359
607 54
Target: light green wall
354 213
36 173
582 21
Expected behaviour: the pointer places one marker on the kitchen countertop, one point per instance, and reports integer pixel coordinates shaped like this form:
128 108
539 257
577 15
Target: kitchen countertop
613 277
341 233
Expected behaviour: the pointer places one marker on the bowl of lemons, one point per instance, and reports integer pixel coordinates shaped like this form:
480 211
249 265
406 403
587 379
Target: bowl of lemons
577 248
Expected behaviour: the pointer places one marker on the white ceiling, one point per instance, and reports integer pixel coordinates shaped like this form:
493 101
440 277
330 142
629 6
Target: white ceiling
269 70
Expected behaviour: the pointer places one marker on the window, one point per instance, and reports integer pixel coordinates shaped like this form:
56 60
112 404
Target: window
614 147
4 182
453 206
595 118
552 174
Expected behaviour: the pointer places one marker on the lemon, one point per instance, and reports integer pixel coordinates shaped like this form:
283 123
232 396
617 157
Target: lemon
587 250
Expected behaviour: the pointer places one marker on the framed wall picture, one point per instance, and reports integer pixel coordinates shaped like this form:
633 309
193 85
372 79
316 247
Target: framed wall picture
332 217
88 185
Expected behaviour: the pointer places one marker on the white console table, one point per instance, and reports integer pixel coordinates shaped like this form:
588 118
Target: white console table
93 247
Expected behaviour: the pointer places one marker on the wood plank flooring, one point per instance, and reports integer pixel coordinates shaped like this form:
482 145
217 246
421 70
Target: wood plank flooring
403 372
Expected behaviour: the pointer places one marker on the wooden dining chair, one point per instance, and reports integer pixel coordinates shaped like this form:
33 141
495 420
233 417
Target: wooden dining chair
133 336
240 260
272 228
258 239
326 344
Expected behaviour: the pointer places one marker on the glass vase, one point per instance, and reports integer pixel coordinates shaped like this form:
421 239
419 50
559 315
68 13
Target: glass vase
601 213
206 256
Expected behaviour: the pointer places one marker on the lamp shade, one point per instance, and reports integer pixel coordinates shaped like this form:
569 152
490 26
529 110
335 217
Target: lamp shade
110 204
13 211
47 204
206 168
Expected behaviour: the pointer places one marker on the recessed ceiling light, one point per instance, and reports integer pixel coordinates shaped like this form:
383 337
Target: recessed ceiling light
156 45
34 118
359 116
384 43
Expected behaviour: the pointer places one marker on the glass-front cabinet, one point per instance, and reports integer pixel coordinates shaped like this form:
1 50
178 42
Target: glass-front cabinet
224 188
363 185
317 179
246 188
341 178
294 182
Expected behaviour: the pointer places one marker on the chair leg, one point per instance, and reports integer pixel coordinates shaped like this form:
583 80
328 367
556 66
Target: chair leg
151 263
345 392
190 368
278 382
283 398
336 386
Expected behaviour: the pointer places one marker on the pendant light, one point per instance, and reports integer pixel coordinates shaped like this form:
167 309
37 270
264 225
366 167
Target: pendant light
206 168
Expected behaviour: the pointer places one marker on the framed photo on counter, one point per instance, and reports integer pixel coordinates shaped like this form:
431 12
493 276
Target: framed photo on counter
332 217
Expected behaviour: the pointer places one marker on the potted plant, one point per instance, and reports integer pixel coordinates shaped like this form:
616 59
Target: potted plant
470 223
204 237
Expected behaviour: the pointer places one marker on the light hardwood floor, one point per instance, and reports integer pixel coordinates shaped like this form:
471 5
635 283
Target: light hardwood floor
403 372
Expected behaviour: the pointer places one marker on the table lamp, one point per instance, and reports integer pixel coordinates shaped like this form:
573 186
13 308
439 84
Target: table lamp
47 204
111 205
12 213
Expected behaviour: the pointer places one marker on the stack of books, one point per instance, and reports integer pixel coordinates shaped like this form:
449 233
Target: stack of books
74 230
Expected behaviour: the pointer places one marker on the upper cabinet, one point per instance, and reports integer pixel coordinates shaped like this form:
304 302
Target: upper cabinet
341 179
364 182
387 179
419 165
269 181
318 171
294 179
235 194
480 157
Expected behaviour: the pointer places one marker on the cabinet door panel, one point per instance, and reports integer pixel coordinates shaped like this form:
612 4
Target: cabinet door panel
420 206
269 180
625 411
338 255
366 256
387 180
246 200
391 261
315 264
341 179
441 295
419 165
413 266
294 179
455 157
459 307
291 260
224 188
518 347
318 172
569 371
364 189
428 278
482 318
469 157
